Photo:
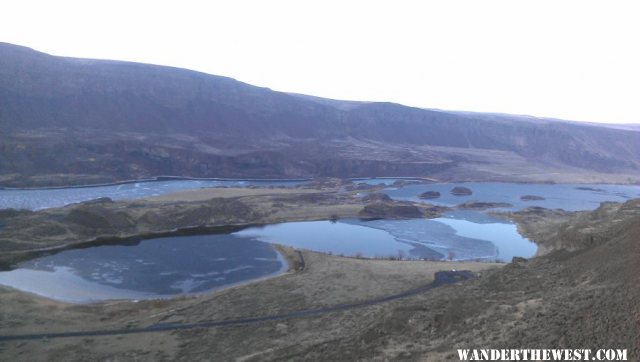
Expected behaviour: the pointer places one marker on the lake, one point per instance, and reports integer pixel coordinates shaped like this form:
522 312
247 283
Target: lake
171 266
566 196
184 265
454 236
570 197
37 199
150 269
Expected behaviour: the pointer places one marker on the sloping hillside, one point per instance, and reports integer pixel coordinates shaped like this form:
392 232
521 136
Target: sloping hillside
67 120
586 297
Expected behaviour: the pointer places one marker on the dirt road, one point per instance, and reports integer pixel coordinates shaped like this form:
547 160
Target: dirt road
441 278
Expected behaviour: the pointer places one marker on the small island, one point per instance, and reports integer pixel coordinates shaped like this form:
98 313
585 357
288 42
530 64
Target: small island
429 195
584 188
531 198
383 210
461 191
402 183
479 205
376 196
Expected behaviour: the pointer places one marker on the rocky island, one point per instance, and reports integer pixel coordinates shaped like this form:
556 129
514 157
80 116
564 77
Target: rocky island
531 198
461 191
68 121
479 205
429 195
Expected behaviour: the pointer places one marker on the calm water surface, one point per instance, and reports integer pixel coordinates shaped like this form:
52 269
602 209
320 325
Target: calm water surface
566 196
172 266
570 197
46 198
458 236
153 268
164 267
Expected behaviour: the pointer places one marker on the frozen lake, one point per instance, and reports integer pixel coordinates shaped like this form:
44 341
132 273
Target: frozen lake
150 269
165 267
183 265
456 236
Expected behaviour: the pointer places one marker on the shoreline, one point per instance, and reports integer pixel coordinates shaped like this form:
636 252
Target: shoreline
153 179
313 273
285 257
23 255
292 206
308 179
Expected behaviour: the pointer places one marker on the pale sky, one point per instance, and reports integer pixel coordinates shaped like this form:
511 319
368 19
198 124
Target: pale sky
577 60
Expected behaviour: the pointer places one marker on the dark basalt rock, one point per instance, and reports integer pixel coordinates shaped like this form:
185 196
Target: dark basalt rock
402 183
100 200
478 205
97 217
461 191
519 260
381 210
376 196
531 198
429 195
583 188
359 187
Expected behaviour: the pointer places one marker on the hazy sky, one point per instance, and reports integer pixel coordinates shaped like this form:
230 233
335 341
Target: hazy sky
576 60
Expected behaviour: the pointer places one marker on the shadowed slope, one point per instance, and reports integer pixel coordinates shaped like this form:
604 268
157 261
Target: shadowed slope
97 120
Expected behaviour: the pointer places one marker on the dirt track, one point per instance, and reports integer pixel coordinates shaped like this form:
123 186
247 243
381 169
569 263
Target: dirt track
329 288
582 293
441 278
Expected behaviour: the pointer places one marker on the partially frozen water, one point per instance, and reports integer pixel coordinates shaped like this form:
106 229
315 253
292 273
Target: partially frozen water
466 236
172 266
330 237
153 268
502 234
38 199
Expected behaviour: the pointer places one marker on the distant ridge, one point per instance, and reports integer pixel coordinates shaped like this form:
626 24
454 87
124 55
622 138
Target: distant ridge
68 120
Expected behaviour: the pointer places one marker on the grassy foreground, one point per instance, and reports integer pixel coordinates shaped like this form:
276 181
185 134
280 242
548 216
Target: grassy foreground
580 292
326 280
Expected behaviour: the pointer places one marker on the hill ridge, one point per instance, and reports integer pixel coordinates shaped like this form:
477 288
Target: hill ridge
113 120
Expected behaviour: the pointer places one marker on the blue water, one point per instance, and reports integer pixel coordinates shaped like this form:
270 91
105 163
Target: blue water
381 181
565 196
503 234
453 236
329 237
166 267
46 198
561 196
153 268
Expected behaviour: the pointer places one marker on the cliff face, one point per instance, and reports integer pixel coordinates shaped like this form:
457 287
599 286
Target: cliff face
107 120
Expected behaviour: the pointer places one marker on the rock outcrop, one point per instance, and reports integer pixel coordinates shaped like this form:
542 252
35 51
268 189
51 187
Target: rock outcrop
383 210
531 198
461 191
479 205
429 195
